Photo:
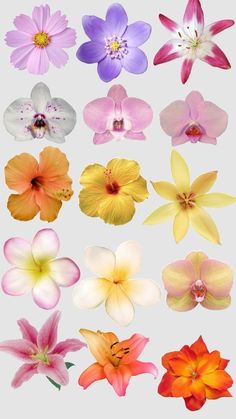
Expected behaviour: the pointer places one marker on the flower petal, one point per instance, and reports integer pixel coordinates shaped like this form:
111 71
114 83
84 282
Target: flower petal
139 367
186 69
215 200
98 113
20 348
53 164
18 118
137 33
193 404
219 379
116 210
165 190
38 62
181 387
119 306
117 93
64 271
18 281
136 346
198 390
180 172
49 207
168 52
169 23
109 69
24 373
137 189
46 293
98 345
219 26
216 303
23 207
215 56
103 138
90 293
100 260
56 23
61 112
68 345
184 303
196 259
204 224
161 214
142 291
40 96
56 369
135 61
116 19
178 277
212 118
194 17
124 171
165 386
218 277
17 251
213 394
95 28
194 100
90 199
28 331
181 225
19 172
20 56
93 175
175 117
180 367
91 52
25 24
204 183
57 55
138 112
208 363
40 16
45 245
93 373
47 336
128 259
118 377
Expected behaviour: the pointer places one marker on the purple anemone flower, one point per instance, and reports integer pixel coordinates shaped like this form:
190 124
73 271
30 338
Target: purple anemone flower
114 44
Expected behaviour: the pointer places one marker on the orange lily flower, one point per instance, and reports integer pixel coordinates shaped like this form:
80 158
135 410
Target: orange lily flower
116 361
195 374
41 187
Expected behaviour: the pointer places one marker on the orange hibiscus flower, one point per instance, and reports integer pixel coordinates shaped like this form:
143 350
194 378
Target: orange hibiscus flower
195 374
41 186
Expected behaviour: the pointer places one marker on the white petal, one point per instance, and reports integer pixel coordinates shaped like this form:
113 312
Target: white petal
45 245
64 271
142 291
18 119
17 281
100 260
40 96
61 118
128 259
90 293
46 293
18 252
119 306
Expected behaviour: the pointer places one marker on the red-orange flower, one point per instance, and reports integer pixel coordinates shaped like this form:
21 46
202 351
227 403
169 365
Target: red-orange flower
195 374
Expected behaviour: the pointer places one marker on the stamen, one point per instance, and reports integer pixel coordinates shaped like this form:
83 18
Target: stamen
118 124
39 126
198 291
194 132
41 39
186 200
116 47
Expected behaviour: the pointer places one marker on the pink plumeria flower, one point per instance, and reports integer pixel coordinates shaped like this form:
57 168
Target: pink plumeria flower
117 116
193 120
193 40
40 40
40 351
36 269
198 280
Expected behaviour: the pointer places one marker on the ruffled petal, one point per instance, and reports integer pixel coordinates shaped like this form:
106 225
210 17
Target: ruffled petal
23 207
124 171
45 245
137 189
90 293
119 306
64 39
38 62
40 16
17 39
49 207
19 172
56 23
117 209
25 24
20 56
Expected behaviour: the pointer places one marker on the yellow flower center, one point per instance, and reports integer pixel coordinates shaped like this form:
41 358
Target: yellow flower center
114 45
41 356
41 39
186 200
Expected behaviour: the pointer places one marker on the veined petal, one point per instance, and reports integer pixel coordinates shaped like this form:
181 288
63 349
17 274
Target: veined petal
17 251
124 171
166 190
23 207
184 303
139 367
161 214
24 373
219 26
194 17
28 331
94 27
204 183
186 69
168 52
93 175
93 373
89 200
181 225
118 377
180 172
178 277
109 69
20 348
116 209
215 303
98 113
142 291
128 259
218 277
98 345
204 224
100 260
45 245
119 307
18 281
47 336
56 369
215 56
19 172
40 96
64 271
90 293
215 200
68 345
169 23
137 189
116 19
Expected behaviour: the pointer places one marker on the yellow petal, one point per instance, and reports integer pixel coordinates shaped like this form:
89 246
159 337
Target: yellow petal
184 303
23 207
215 200
196 258
124 171
180 172
161 214
94 174
98 345
213 303
137 189
204 183
181 225
204 225
166 190
116 209
90 199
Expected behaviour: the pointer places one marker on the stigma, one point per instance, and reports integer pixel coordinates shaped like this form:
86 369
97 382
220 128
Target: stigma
198 291
41 39
116 47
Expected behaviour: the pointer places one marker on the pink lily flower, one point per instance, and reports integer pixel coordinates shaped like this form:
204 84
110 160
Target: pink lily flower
40 351
193 120
117 116
193 40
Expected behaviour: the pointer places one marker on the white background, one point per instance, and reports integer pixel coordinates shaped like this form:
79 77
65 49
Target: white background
78 83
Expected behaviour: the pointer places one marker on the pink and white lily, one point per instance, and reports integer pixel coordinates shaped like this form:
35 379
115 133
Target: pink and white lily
117 116
193 40
40 351
36 269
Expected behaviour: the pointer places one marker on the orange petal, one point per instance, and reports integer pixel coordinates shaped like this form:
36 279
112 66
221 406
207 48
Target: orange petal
194 404
196 258
199 347
118 377
98 345
136 345
19 172
93 373
213 394
208 363
49 207
181 387
23 207
223 363
171 355
219 379
180 367
52 163
198 390
189 354
165 386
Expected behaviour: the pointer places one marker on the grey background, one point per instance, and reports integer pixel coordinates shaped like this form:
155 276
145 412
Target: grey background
168 330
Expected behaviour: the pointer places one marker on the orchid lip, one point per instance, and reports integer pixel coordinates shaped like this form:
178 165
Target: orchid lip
39 126
198 291
194 132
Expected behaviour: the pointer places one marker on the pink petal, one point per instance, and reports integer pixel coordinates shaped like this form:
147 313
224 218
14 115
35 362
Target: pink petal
175 117
215 56
17 282
56 369
135 135
25 24
17 251
57 56
169 23
17 39
98 112
38 62
56 23
213 119
182 139
64 272
68 345
93 373
194 100
65 39
20 56
208 140
138 367
24 373
45 245
193 16
117 93
219 26
178 277
103 138
136 345
46 293
138 112
218 277
20 348
118 377
186 69
168 52
40 16
28 331
47 336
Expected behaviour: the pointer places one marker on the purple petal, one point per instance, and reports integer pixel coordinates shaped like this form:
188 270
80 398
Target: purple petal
46 293
47 336
116 19
17 39
24 373
56 369
20 348
20 56
137 33
135 61
68 345
109 69
38 62
64 272
40 16
103 138
95 28
98 112
91 52
56 24
65 39
57 56
180 140
28 331
25 24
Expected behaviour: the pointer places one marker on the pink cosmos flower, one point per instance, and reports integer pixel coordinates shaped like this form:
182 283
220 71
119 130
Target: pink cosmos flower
117 116
36 269
193 120
193 40
40 40
40 351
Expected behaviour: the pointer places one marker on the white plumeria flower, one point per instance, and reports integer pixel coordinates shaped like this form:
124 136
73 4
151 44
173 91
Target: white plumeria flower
114 284
35 268
40 116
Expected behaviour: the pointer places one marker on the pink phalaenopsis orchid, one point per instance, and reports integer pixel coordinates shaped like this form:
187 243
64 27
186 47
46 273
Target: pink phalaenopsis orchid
117 116
193 40
40 351
194 120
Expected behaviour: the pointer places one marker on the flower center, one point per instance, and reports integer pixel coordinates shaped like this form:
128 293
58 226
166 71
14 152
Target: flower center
35 182
118 124
41 39
189 39
194 133
39 125
118 354
113 188
116 47
198 291
41 356
194 375
186 200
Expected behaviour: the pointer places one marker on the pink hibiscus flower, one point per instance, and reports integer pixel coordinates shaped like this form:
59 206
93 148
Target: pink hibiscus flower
193 120
40 40
41 352
117 116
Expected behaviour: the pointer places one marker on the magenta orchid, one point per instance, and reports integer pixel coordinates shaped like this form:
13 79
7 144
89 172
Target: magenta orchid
193 40
41 352
36 269
193 120
117 116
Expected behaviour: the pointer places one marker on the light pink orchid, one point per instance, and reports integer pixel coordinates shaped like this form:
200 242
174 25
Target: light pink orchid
40 351
193 40
193 120
117 116
36 269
